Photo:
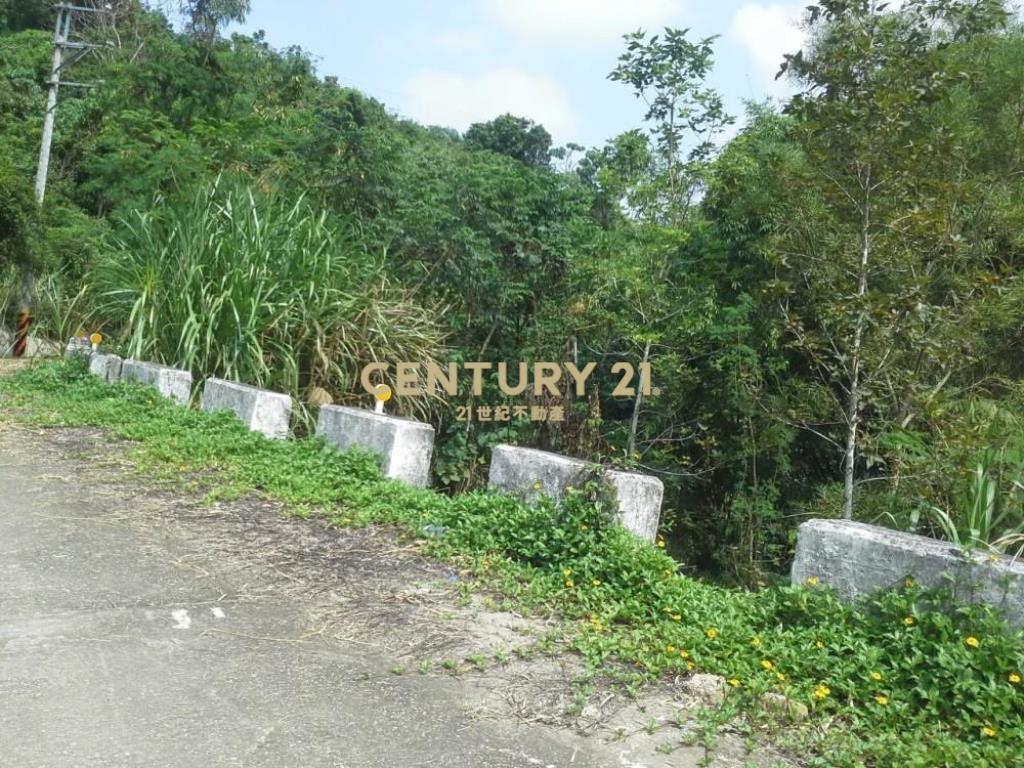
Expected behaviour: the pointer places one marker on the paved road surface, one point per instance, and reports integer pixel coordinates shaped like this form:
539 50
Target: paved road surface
119 648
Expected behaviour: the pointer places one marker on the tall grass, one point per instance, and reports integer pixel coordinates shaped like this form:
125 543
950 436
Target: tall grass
231 283
990 509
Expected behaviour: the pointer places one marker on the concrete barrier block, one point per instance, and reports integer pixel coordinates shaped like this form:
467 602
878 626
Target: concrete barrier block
530 474
107 367
172 383
856 560
36 347
405 446
78 346
40 347
268 413
639 499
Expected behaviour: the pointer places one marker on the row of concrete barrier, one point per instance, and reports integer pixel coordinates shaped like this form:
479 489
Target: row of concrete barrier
405 446
854 559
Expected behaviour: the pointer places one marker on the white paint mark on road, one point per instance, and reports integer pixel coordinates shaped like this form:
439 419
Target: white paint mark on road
182 619
217 611
530 760
627 762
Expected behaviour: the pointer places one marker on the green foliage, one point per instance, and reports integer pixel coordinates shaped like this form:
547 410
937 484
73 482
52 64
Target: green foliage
990 512
517 137
913 679
18 219
668 72
869 279
228 282
205 17
16 15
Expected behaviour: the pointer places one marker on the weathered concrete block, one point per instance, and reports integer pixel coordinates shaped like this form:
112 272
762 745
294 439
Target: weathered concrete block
172 383
531 474
78 346
260 410
857 559
404 445
107 367
40 347
36 347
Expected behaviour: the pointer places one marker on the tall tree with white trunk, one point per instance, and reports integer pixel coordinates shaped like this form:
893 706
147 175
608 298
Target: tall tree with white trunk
863 263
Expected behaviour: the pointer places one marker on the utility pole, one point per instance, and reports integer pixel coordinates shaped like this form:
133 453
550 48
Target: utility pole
62 45
65 53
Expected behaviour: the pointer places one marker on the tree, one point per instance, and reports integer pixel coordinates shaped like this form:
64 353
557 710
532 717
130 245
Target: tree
668 73
205 17
657 184
16 15
519 138
863 264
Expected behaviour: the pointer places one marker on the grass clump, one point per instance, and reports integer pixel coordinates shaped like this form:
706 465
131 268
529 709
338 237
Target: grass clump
905 679
257 287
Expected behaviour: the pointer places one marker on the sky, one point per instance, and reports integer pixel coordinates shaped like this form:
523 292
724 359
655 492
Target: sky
457 62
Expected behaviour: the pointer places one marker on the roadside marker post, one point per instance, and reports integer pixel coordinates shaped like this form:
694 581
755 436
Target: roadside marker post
381 393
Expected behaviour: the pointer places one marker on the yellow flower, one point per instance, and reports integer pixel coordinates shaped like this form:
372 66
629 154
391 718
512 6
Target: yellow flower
822 691
972 642
677 617
596 582
876 676
684 654
569 584
661 543
536 485
584 527
988 730
780 677
671 649
812 581
712 633
818 644
756 642
910 621
690 665
882 699
567 572
909 583
767 665
1014 678
734 682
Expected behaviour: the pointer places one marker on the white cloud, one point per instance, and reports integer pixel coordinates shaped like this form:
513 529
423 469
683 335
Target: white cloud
767 32
581 19
455 100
